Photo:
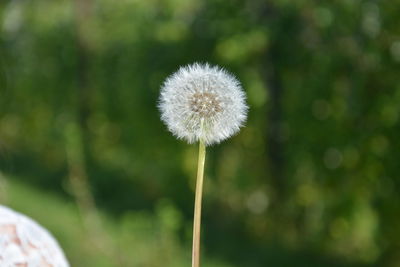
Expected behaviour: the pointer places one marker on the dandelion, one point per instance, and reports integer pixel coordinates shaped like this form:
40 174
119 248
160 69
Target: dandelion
205 104
23 242
202 103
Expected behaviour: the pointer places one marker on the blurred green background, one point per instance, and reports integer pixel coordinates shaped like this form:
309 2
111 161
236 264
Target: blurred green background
312 180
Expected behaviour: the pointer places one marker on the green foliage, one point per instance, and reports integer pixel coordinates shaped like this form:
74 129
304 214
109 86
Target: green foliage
141 238
311 181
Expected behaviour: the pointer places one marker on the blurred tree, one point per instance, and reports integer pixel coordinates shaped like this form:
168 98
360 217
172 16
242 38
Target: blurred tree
313 175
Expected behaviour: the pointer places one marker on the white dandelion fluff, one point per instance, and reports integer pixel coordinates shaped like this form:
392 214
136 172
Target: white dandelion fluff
202 102
23 242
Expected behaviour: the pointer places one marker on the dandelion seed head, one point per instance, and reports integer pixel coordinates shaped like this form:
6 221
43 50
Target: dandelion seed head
202 102
23 242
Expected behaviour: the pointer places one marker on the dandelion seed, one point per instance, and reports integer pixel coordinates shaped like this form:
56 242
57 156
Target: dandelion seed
202 94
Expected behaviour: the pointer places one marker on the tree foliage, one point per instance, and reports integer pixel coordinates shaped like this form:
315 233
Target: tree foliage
314 173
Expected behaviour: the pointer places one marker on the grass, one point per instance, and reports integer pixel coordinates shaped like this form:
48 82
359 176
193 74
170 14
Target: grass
139 238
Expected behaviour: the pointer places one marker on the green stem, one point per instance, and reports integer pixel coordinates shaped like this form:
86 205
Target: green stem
197 206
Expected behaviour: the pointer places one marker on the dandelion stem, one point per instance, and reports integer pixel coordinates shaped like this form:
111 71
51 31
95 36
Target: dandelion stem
197 206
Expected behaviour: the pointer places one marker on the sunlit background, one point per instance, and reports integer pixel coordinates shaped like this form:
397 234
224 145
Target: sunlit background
312 180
